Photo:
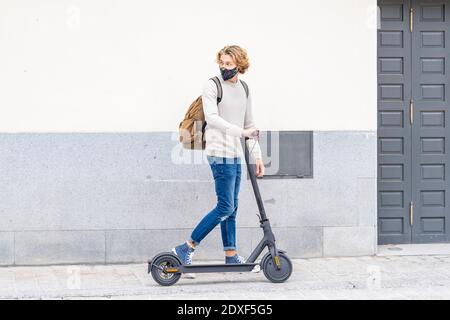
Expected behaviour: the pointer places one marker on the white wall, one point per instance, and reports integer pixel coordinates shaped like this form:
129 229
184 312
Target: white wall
102 65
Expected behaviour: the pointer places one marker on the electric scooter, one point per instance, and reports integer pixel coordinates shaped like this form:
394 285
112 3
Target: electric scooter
166 267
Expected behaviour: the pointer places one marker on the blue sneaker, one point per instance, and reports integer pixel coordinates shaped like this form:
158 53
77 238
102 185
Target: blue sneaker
234 259
238 259
185 253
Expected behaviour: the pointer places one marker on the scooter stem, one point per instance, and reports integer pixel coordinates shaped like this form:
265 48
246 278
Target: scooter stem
251 172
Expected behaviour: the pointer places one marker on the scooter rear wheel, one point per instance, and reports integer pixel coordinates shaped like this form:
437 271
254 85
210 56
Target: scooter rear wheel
272 273
158 266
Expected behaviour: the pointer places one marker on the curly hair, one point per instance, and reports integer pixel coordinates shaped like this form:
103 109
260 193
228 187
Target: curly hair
239 56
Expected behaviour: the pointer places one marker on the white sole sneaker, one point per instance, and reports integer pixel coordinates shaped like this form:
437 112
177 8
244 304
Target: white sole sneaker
189 275
185 275
256 269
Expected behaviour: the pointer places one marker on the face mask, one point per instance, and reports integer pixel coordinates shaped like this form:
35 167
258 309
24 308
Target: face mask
228 74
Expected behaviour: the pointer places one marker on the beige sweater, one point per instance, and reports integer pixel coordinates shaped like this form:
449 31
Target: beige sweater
225 122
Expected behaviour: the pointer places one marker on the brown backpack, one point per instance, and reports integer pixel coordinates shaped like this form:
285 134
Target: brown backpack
192 128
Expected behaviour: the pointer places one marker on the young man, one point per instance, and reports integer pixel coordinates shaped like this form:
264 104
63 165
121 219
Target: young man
227 123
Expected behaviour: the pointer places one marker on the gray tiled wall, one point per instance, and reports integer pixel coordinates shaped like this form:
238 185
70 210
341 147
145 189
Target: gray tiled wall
118 197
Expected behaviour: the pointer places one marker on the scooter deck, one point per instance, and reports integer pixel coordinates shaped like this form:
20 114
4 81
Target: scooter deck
231 267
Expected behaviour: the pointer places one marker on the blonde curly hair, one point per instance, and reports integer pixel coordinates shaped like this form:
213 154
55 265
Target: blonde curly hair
239 55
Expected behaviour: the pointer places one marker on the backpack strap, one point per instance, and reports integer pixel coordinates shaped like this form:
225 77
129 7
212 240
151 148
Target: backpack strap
219 88
245 86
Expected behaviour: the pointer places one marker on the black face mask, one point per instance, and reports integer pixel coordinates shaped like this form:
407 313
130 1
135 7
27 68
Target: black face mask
228 74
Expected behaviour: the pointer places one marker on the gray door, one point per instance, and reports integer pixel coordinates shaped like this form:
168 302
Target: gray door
413 130
431 121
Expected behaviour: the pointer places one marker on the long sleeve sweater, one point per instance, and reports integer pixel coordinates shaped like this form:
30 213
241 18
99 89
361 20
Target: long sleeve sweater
226 121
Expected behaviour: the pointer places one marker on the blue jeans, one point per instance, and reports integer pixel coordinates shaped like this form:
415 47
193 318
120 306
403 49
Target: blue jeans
227 178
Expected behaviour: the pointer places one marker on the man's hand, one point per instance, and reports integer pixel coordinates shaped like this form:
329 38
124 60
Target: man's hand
259 168
250 133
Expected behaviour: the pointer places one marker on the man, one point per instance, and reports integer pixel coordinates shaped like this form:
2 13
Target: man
227 122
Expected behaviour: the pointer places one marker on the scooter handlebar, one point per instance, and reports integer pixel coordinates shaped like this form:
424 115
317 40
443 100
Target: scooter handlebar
255 135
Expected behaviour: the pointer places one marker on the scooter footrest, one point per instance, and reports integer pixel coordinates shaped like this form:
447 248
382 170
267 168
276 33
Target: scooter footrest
230 267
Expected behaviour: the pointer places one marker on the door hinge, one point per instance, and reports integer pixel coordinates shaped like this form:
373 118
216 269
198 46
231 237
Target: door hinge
411 111
411 213
411 19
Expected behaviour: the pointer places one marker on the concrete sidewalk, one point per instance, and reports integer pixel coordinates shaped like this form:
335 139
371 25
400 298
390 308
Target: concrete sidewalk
372 277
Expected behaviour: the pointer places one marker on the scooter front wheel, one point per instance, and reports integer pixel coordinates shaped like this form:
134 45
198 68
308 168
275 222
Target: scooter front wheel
271 271
164 268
